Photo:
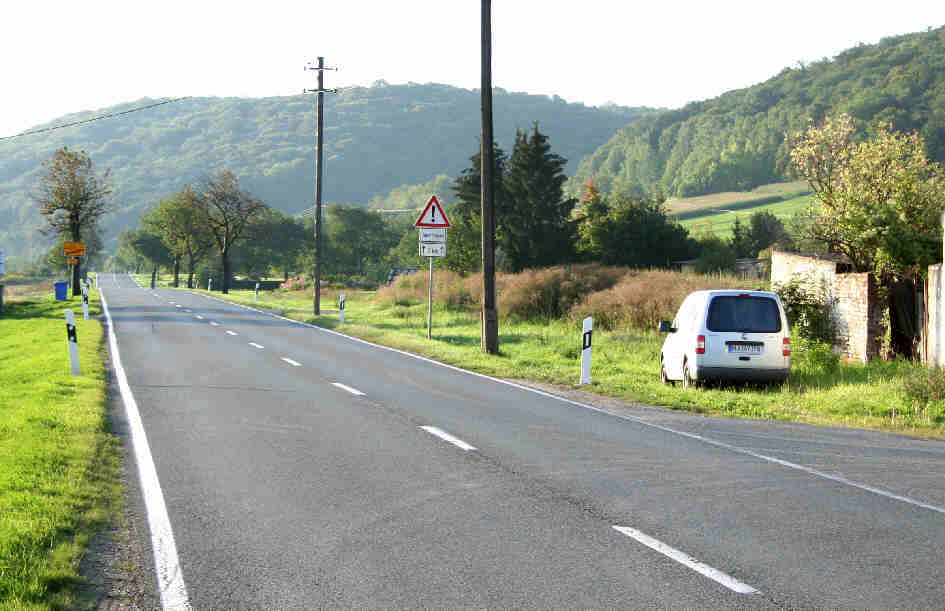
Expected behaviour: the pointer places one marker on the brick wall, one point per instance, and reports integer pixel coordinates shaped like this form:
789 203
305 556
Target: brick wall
852 301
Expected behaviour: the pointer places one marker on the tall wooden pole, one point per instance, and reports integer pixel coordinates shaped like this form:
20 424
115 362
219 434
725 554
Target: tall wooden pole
490 314
319 126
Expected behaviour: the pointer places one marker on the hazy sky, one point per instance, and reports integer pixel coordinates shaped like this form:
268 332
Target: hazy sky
61 56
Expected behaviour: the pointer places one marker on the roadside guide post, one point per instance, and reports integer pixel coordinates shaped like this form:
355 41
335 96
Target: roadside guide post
432 224
73 342
586 350
256 294
1 281
209 283
85 300
341 309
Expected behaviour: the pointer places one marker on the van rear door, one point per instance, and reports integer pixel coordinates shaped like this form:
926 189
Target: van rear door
746 332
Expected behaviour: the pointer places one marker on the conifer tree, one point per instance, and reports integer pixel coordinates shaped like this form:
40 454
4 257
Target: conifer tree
534 228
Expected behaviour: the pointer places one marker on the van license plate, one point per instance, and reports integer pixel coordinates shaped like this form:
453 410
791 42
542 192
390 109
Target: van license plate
744 348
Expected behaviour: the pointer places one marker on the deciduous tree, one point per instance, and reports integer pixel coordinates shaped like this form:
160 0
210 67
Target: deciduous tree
878 200
227 211
72 197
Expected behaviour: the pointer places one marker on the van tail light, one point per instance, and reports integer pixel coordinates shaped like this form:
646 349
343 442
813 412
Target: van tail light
786 347
700 344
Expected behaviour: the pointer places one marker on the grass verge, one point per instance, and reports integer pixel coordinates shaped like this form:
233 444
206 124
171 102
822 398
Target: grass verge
59 465
626 364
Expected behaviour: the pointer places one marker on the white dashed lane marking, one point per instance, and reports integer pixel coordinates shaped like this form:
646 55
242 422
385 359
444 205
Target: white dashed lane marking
353 391
291 362
459 443
255 345
685 559
228 332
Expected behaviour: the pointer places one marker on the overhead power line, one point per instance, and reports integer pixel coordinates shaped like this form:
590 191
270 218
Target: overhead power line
98 118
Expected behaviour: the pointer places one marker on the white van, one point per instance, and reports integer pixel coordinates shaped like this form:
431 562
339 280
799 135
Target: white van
727 336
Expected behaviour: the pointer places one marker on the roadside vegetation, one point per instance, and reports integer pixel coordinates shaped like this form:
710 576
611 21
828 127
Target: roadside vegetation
59 465
540 340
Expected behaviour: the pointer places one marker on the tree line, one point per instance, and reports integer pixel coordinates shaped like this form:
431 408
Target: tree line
877 200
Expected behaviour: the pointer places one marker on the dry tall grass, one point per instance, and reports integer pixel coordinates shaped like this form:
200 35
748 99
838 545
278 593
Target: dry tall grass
617 297
643 298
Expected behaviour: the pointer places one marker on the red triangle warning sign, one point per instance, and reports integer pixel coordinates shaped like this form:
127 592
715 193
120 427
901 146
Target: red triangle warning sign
432 215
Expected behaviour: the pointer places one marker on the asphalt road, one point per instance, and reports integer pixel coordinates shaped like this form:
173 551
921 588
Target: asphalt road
302 469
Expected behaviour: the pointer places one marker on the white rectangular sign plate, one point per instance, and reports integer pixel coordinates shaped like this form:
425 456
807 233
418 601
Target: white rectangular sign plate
428 234
432 250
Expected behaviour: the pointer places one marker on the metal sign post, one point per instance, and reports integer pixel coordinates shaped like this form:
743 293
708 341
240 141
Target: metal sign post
432 224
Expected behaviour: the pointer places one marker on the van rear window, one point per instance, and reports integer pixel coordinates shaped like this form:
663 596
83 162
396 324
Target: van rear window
745 314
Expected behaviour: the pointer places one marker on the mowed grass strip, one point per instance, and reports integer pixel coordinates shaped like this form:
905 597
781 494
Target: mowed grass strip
625 364
59 466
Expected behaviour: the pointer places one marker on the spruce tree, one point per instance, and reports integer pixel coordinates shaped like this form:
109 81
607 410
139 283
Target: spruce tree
534 228
464 246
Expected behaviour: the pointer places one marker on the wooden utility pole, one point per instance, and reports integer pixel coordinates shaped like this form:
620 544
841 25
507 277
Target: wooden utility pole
490 314
319 129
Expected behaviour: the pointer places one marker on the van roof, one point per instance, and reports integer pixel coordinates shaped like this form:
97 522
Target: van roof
716 292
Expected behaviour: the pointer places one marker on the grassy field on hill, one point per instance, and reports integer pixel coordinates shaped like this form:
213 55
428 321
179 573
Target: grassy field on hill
822 390
59 465
720 223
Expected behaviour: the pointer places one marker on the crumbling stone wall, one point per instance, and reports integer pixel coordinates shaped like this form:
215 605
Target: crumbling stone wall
853 300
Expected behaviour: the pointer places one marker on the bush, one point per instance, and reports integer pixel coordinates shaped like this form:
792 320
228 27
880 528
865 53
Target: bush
643 298
808 306
925 384
812 357
550 293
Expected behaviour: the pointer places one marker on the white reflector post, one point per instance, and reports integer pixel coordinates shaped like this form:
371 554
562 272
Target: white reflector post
341 309
85 300
586 350
73 342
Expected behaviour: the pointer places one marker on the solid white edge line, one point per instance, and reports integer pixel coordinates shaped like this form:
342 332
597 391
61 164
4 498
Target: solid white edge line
640 421
459 443
255 345
291 362
353 391
166 563
685 559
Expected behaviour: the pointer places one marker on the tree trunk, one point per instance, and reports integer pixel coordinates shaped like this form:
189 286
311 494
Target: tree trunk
153 276
285 277
226 271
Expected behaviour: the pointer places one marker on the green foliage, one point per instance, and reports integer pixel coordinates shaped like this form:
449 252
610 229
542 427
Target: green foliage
376 138
807 305
716 256
413 197
926 385
812 358
623 230
533 225
737 140
877 201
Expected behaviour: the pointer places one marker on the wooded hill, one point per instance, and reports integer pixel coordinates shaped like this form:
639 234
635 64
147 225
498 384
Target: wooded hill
737 141
376 139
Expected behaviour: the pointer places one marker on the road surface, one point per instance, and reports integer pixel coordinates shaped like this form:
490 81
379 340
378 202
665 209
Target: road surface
301 469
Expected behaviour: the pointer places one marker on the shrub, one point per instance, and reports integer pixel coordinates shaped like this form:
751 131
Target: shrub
643 298
925 384
550 293
812 357
807 305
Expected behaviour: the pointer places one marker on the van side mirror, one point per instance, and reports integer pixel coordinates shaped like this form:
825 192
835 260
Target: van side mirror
665 327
